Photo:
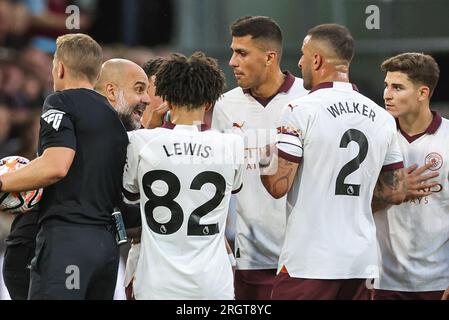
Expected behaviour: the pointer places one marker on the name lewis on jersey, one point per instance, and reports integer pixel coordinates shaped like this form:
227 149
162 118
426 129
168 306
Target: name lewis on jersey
53 118
188 149
341 108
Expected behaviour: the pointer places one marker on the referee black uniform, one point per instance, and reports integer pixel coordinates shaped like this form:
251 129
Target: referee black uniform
76 254
20 247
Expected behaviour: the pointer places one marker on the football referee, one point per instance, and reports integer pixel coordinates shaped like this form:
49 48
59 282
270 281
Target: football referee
82 149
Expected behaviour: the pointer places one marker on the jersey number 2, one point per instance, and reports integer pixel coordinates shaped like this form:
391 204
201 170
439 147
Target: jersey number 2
194 228
342 188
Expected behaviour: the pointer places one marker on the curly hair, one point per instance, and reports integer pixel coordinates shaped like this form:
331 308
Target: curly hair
190 82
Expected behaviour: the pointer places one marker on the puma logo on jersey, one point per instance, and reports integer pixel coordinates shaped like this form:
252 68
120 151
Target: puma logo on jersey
292 107
53 118
239 126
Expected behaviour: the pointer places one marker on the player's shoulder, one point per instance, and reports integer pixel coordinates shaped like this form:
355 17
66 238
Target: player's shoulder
237 92
54 100
444 124
380 111
142 136
223 137
231 96
298 87
58 103
68 99
444 121
306 101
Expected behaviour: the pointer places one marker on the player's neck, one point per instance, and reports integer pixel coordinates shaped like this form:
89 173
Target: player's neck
416 123
182 116
76 84
332 73
271 86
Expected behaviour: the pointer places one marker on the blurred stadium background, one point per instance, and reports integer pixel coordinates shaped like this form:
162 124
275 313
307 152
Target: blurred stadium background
140 29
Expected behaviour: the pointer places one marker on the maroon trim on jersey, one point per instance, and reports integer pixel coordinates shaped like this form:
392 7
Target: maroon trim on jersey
431 129
288 82
285 87
170 125
130 196
327 85
237 190
392 166
288 157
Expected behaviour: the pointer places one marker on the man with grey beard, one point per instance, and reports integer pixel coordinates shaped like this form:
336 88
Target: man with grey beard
124 84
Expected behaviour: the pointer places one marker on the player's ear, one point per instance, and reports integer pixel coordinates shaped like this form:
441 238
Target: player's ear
423 93
61 70
111 92
208 106
271 57
317 61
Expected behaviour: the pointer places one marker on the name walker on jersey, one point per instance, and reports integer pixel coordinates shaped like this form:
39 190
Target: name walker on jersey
340 108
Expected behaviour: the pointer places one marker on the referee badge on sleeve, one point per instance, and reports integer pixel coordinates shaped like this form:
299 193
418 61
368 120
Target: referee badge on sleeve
53 118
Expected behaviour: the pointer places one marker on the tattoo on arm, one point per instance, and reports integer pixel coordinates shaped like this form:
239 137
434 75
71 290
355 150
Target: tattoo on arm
281 181
390 186
285 177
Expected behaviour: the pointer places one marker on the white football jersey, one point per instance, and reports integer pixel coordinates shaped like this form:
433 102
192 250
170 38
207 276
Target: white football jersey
342 140
414 236
185 178
260 224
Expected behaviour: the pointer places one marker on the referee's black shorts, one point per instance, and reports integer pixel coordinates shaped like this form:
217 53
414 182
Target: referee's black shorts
74 261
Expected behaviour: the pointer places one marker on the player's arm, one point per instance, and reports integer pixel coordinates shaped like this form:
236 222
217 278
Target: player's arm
45 170
417 185
391 188
277 176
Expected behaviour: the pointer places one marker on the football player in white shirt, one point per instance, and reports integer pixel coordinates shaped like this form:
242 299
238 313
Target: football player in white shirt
184 176
341 141
152 117
414 236
253 111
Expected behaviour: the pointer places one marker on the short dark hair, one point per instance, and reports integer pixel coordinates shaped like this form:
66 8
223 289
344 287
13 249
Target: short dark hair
337 36
258 27
190 82
152 66
419 68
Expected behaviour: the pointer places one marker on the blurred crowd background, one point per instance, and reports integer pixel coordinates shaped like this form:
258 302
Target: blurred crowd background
141 29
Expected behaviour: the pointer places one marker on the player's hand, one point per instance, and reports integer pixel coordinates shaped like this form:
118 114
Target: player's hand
267 159
154 115
419 184
445 294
